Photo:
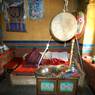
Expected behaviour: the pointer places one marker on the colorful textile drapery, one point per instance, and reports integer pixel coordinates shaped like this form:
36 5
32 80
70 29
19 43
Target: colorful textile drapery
14 16
35 9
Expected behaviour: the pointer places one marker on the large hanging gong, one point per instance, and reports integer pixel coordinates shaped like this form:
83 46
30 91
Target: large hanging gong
64 26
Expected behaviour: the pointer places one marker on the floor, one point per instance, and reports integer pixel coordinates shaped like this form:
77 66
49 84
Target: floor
6 88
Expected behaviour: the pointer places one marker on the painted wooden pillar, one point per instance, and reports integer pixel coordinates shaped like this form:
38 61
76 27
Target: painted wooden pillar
88 41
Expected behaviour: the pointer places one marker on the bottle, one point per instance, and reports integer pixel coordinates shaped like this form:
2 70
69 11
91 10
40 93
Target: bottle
93 60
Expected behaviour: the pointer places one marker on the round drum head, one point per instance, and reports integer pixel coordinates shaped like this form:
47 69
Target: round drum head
64 26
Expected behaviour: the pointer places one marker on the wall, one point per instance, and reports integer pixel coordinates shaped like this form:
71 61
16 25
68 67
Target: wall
38 29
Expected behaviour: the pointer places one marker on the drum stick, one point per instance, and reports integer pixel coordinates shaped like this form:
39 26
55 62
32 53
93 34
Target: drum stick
71 53
47 47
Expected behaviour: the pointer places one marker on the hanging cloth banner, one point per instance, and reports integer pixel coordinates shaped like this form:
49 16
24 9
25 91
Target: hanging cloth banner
35 9
14 16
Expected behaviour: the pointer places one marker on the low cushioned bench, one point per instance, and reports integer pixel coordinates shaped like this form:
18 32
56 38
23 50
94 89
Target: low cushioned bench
23 75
